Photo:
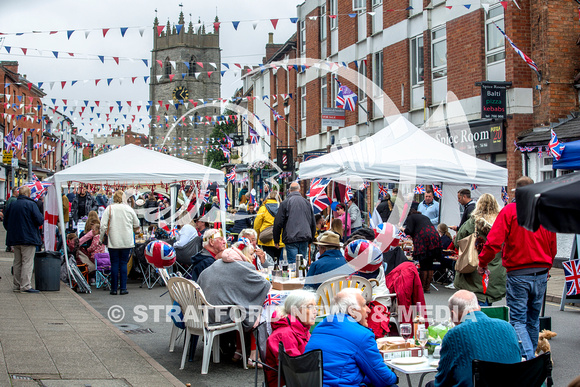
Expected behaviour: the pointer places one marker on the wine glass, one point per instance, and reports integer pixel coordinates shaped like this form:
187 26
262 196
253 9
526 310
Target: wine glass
406 331
422 337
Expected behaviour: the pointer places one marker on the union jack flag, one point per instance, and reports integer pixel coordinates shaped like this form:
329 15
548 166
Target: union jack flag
231 176
401 234
226 151
230 141
273 299
8 140
252 199
383 190
269 131
18 141
419 189
348 193
320 202
346 98
572 275
228 203
526 58
555 147
317 186
206 196
504 196
437 191
276 115
253 136
473 187
364 186
37 187
173 233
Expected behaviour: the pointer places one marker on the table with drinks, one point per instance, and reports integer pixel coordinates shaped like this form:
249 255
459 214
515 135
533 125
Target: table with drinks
407 353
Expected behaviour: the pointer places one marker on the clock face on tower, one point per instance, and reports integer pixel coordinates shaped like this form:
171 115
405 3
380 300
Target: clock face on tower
180 94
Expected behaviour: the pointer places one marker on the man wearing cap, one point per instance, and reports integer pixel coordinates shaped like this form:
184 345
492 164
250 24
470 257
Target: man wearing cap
213 244
331 258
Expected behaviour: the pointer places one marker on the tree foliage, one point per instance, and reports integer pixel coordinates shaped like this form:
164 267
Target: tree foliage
215 157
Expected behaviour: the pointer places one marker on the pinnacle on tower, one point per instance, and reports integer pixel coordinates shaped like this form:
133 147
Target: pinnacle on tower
156 22
190 27
181 20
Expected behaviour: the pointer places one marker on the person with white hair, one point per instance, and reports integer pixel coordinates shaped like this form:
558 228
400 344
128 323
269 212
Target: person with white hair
350 353
214 243
290 325
475 336
261 258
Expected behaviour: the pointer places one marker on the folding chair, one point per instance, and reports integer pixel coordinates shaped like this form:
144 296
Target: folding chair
261 334
149 272
531 373
298 371
501 312
102 271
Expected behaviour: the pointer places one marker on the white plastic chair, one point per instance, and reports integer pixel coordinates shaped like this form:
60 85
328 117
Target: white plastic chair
164 275
195 309
329 288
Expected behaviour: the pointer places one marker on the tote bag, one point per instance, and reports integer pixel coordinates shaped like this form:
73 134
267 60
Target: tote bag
468 257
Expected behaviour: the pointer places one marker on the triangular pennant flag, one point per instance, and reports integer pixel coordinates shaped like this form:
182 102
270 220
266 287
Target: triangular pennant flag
254 24
97 81
504 4
293 20
24 50
55 53
109 80
209 74
171 77
160 63
87 32
236 24
116 59
448 6
146 62
69 33
141 30
216 26
227 66
105 30
352 15
62 83
160 30
178 28
133 79
102 58
72 83
123 31
467 6
274 22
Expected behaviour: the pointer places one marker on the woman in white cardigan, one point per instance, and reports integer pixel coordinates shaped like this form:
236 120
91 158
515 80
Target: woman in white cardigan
119 222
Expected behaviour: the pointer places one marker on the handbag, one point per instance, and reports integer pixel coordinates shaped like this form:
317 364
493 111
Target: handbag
106 236
468 257
267 235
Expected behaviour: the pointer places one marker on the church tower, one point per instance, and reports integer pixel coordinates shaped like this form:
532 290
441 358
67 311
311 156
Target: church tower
186 76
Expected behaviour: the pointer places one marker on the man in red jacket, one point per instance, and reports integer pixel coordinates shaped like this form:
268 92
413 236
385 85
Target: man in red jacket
527 257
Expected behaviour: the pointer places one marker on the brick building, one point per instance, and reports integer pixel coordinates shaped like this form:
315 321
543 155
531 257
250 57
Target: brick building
417 51
21 113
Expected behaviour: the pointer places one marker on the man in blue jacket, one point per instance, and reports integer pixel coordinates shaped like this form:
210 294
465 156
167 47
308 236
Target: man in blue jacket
331 262
350 354
21 221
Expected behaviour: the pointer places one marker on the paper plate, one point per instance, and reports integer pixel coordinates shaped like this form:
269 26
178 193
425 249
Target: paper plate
434 363
408 360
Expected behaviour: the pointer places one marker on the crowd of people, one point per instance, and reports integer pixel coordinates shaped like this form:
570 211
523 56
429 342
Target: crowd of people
513 261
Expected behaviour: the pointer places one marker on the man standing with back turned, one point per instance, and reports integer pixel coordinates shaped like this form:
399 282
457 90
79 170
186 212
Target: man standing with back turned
527 257
22 220
295 221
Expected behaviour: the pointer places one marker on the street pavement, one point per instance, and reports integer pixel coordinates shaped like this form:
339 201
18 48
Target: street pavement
67 339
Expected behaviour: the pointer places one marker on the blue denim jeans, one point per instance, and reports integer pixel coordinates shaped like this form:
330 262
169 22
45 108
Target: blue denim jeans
296 248
524 296
119 260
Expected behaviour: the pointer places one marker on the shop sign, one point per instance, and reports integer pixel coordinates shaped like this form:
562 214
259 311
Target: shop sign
333 117
485 137
493 100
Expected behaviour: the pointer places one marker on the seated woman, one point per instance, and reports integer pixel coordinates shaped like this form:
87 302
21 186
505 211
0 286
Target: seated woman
290 325
233 280
93 239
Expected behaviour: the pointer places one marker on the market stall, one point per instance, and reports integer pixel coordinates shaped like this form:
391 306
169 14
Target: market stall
133 165
402 153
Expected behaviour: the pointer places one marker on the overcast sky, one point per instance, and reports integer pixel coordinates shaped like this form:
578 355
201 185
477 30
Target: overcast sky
244 46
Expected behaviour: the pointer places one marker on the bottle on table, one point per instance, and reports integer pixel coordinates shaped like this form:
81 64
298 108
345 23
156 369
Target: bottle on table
302 268
418 322
284 263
